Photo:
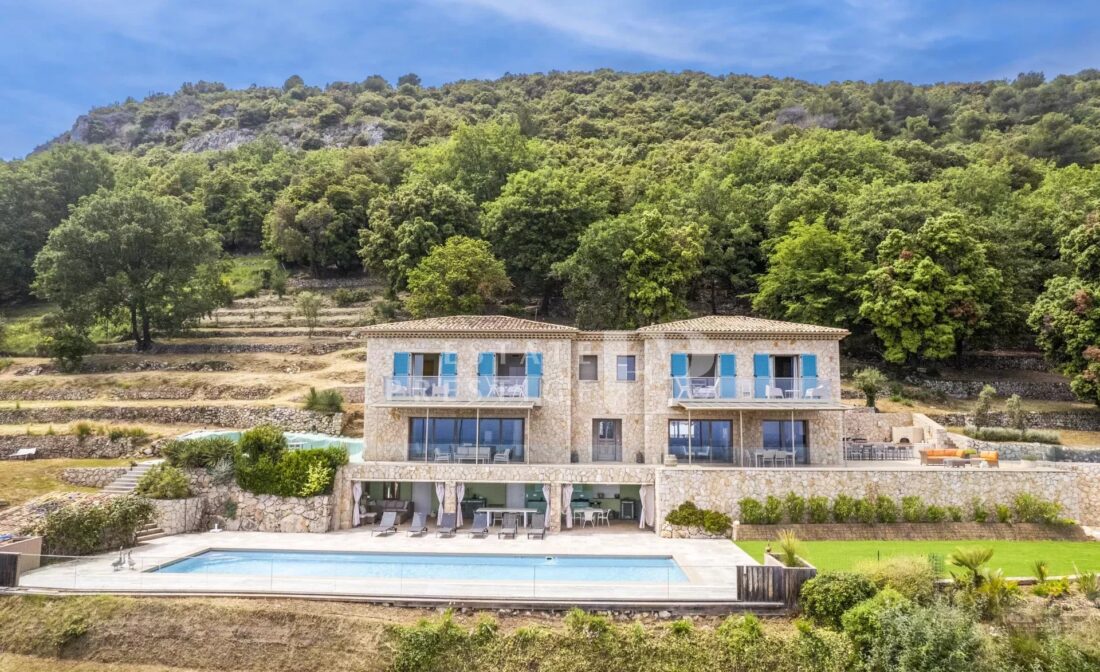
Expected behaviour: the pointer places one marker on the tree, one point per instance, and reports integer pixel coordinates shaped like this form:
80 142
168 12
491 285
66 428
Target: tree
632 270
870 382
127 251
984 406
479 158
932 290
68 345
460 276
1014 412
308 306
412 79
813 276
536 222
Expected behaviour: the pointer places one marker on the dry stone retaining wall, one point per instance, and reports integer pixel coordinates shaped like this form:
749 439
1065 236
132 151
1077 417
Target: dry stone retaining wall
1051 391
235 509
911 531
92 477
1025 450
289 419
68 445
177 516
1087 421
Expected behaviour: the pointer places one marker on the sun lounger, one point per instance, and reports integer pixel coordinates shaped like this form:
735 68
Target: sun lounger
388 524
23 453
419 525
447 524
510 526
480 528
538 527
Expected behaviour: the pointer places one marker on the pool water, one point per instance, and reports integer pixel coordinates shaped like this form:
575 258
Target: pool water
447 567
294 439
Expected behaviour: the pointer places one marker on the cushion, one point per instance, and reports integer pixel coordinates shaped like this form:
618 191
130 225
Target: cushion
988 454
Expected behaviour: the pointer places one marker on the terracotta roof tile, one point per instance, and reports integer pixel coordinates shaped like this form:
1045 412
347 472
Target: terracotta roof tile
471 323
739 324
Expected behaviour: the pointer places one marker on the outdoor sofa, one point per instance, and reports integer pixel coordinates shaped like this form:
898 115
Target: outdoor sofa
936 456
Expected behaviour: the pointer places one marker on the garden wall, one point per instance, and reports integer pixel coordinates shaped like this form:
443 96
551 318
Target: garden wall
67 445
912 531
1023 450
289 419
177 516
234 509
1088 421
1050 391
92 477
1076 489
864 422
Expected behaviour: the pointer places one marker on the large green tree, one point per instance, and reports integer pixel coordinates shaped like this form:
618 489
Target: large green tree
479 158
932 290
460 276
146 257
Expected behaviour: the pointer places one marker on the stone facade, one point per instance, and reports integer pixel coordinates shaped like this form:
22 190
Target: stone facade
92 477
863 422
68 445
289 419
178 516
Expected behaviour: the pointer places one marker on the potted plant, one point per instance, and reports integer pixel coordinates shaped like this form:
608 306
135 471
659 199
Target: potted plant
639 457
574 456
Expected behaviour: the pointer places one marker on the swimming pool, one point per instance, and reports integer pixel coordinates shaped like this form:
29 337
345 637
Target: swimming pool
294 439
446 567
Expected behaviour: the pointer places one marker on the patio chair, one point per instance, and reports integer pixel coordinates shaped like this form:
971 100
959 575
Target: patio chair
388 524
538 527
23 453
447 525
419 525
603 516
480 528
510 527
503 457
442 455
772 392
704 388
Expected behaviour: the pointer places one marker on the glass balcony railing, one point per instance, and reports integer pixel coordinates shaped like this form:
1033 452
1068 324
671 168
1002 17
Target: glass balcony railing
704 388
451 388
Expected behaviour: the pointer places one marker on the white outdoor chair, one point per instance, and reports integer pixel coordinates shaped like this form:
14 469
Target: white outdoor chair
772 392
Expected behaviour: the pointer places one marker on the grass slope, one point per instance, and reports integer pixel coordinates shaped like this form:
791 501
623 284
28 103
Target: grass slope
23 480
1014 557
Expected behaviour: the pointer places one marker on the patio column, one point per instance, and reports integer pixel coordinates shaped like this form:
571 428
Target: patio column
450 499
741 439
554 521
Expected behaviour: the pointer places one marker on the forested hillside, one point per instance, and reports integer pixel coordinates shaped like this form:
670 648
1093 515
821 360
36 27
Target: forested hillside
927 220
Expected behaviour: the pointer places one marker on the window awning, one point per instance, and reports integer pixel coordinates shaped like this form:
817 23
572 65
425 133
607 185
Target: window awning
757 405
503 404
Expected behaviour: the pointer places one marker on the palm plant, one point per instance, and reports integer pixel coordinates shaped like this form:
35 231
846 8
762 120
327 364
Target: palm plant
972 561
1041 571
998 593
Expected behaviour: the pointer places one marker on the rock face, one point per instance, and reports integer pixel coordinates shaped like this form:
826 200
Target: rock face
68 445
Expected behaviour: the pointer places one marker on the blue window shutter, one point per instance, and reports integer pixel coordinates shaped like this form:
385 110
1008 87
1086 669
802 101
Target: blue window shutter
761 373
809 372
486 369
727 372
401 363
679 369
534 374
448 371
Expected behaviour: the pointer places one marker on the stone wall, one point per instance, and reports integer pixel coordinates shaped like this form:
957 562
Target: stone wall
234 509
863 422
289 419
177 516
912 531
68 445
1088 491
721 489
1052 391
1088 421
92 477
669 531
1015 361
1024 450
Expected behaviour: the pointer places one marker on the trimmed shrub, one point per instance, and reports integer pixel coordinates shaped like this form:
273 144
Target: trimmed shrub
886 510
1031 509
164 481
978 511
955 514
818 509
1004 514
911 576
325 401
828 595
796 507
844 508
689 515
935 514
773 510
199 453
263 441
752 511
865 511
912 509
716 522
292 473
80 529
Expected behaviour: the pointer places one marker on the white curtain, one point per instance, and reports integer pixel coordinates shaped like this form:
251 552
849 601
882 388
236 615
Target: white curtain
546 496
567 503
460 492
440 493
647 493
356 494
643 495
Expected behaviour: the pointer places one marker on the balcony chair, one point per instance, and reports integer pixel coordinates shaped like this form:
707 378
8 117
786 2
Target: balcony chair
704 389
772 392
503 457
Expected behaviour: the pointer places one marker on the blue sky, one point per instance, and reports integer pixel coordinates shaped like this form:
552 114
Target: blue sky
58 58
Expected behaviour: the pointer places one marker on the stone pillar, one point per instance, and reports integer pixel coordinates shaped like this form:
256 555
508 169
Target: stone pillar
341 500
450 501
554 524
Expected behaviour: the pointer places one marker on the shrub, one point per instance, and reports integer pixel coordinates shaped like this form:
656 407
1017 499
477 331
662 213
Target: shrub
870 382
935 514
998 434
789 548
199 453
716 522
828 595
752 511
773 510
912 509
1004 514
924 639
978 510
862 623
325 401
1053 588
67 346
83 430
865 511
819 509
344 297
1031 509
80 529
911 576
1017 419
289 474
984 406
972 561
263 441
992 597
886 510
689 515
681 626
796 507
955 514
164 481
844 508
135 433
1087 583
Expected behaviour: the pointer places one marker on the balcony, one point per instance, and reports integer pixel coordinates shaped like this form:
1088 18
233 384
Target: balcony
447 390
466 453
726 390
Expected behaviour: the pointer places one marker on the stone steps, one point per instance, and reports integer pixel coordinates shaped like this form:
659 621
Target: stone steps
126 483
149 532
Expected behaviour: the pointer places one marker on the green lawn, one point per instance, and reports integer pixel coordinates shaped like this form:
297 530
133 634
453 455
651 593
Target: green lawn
1014 557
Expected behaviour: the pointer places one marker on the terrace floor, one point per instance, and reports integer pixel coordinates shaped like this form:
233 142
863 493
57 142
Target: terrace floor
708 565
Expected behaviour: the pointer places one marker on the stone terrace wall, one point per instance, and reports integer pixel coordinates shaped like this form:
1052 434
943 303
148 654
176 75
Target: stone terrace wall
721 489
67 445
912 531
177 516
1088 491
1025 450
874 426
1088 421
234 509
289 419
92 477
1051 391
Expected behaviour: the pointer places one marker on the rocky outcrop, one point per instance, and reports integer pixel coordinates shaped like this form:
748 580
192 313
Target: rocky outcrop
289 419
68 445
92 477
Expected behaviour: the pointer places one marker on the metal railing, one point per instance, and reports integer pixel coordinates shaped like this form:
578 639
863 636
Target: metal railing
450 388
717 388
467 453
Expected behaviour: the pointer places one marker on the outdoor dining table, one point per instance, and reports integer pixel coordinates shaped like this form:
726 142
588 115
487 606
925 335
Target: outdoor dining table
589 513
506 509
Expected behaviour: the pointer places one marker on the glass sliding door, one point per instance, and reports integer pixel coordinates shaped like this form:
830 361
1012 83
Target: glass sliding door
787 435
700 440
466 440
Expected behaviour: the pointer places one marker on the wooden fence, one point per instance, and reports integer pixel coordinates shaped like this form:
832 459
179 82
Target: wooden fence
764 583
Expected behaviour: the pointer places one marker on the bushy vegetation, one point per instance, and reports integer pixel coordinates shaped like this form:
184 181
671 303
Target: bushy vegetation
325 401
295 473
912 577
1026 508
826 597
81 529
263 441
163 481
199 453
1011 434
689 515
344 296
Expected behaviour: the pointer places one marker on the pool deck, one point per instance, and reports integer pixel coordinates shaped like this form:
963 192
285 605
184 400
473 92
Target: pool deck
710 566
